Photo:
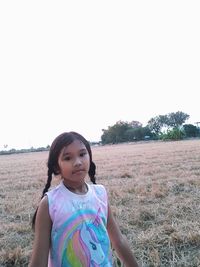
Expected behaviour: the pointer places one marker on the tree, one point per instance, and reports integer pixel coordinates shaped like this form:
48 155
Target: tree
122 131
155 125
133 134
174 134
190 130
163 120
115 134
171 120
156 128
135 124
176 119
125 132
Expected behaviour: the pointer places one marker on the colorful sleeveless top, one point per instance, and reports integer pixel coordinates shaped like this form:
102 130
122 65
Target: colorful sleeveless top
79 235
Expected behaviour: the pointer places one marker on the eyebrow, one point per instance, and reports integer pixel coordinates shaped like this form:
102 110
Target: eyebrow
68 153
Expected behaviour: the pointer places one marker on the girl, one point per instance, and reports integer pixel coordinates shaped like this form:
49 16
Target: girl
74 224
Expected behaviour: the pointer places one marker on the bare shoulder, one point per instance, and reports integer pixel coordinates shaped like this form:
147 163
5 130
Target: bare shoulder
43 210
41 244
44 203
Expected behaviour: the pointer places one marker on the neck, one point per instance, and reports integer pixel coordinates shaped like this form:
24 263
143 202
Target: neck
77 188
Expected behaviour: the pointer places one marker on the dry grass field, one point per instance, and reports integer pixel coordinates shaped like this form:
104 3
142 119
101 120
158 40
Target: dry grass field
154 191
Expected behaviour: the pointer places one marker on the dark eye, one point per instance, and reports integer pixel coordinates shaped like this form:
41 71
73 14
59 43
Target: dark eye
67 158
94 247
82 154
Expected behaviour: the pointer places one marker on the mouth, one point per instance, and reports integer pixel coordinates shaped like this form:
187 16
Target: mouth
78 171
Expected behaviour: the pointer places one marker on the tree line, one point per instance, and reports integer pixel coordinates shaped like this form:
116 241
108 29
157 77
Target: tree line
162 127
24 150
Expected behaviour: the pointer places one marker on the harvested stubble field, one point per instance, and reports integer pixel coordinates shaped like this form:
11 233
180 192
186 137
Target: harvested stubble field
154 191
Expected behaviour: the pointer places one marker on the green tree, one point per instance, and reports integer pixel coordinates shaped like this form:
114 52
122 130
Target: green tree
170 120
135 124
155 125
174 134
116 133
133 134
163 120
138 133
176 119
190 130
125 131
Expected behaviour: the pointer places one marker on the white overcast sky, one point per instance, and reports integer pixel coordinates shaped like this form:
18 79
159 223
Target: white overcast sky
84 65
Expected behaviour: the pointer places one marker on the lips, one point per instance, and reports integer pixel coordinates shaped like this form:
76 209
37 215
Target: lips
78 171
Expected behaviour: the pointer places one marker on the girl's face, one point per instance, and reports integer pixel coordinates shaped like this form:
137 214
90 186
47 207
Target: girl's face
74 163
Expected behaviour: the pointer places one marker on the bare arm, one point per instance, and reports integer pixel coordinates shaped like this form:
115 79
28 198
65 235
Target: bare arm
41 243
119 242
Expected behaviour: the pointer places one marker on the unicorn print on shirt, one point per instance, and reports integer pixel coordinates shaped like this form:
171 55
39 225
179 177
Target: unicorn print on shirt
86 246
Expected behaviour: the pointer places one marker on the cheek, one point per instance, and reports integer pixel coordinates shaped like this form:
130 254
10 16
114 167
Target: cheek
65 167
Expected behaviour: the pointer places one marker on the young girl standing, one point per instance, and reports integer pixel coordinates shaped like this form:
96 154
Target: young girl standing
74 225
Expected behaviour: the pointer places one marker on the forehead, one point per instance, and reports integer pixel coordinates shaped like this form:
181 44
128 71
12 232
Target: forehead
76 145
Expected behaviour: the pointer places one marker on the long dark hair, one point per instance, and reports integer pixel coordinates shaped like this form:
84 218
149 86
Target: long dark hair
59 142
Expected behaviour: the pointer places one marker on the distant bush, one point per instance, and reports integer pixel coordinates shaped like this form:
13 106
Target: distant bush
174 134
190 130
27 150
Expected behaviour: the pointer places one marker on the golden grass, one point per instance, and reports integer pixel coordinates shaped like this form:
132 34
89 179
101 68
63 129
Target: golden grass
154 191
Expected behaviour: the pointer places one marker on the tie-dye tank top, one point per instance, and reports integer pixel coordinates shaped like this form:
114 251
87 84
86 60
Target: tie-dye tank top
79 236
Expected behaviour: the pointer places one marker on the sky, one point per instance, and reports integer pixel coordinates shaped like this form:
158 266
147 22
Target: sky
84 65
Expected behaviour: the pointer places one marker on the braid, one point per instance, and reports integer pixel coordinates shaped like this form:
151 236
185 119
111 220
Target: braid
92 172
48 184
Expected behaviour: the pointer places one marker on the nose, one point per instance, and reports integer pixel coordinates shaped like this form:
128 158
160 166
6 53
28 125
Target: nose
77 162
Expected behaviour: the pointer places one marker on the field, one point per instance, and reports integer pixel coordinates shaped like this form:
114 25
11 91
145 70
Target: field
154 191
